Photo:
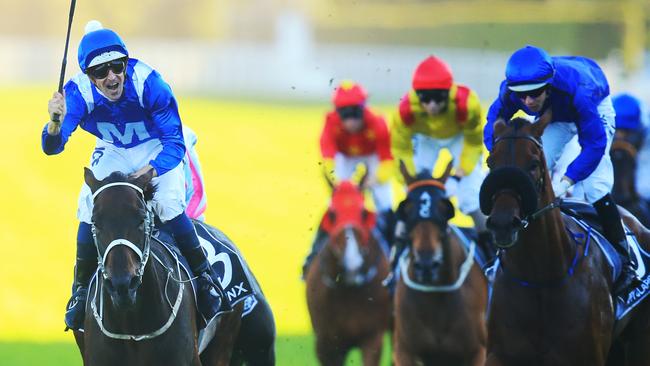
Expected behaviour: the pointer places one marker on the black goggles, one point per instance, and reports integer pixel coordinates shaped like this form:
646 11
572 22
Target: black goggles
436 95
355 111
101 71
530 93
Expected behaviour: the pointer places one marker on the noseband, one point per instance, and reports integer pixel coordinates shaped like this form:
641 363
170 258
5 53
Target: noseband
538 185
148 229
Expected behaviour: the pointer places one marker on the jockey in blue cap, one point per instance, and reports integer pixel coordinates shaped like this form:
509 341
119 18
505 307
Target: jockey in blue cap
573 94
133 113
632 123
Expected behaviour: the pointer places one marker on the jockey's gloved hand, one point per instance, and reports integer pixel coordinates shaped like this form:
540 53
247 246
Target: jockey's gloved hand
561 187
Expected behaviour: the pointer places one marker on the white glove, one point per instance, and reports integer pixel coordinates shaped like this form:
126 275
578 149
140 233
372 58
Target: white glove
560 188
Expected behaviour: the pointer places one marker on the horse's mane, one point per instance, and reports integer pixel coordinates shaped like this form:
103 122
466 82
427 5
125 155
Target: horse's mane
114 177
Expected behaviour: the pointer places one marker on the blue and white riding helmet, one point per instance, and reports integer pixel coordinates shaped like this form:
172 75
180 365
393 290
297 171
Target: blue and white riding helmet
99 45
529 68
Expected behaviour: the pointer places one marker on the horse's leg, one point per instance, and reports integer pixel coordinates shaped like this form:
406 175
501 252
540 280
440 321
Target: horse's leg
330 353
79 338
256 340
401 356
371 349
221 346
479 357
493 360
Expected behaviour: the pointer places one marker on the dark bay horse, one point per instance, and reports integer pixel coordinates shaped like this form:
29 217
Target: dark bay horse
347 303
551 302
141 309
623 154
441 296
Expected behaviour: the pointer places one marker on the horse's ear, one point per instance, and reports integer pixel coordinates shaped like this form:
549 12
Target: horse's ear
364 179
446 209
443 178
144 179
408 178
499 127
90 180
537 128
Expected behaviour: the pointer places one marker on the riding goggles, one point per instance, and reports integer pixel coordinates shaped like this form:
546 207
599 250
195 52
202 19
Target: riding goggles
436 95
101 71
354 111
530 93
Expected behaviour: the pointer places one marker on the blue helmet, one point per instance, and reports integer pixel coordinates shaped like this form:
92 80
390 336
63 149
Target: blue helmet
98 46
628 112
529 68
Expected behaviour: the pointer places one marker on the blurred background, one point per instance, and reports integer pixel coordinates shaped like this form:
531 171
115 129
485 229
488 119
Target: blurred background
253 78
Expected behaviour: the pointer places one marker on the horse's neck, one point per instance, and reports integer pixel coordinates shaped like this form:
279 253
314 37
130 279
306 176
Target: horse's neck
543 251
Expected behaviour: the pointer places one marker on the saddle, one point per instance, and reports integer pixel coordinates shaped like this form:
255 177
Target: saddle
585 215
226 261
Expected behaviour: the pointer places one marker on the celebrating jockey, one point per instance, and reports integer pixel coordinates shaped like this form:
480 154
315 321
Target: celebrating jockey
133 113
438 113
573 94
354 135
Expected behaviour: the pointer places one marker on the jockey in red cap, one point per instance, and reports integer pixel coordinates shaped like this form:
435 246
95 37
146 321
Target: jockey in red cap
439 114
355 135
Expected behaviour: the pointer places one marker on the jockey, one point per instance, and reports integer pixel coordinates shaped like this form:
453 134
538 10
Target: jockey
573 94
438 113
353 135
133 113
631 118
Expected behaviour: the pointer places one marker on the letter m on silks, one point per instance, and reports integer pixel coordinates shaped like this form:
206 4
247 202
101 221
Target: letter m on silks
110 132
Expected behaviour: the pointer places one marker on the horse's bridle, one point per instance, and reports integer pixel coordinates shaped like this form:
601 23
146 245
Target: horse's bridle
539 184
148 230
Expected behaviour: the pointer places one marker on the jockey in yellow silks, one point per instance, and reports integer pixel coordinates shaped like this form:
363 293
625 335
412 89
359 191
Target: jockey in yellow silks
438 113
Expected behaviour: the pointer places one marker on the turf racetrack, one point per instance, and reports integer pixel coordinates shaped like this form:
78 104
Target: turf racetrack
264 186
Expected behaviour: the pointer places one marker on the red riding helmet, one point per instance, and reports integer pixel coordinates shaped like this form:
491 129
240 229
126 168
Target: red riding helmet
349 93
432 73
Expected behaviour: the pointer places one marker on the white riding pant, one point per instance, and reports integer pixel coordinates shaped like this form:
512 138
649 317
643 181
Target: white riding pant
169 198
426 150
345 166
560 138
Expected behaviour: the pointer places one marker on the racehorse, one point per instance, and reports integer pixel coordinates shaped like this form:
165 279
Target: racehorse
141 308
347 303
551 302
441 295
623 154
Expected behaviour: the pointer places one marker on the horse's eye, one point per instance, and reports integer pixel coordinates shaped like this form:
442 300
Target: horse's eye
533 166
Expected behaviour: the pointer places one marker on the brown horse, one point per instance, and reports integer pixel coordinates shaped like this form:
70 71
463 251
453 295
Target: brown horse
624 154
441 295
347 303
551 302
141 309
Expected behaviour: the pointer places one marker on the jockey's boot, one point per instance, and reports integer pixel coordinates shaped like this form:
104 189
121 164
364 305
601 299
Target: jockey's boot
610 219
76 308
210 296
319 241
399 243
386 224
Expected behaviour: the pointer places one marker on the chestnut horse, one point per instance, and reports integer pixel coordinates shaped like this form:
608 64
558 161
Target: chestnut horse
441 294
347 303
141 309
551 302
